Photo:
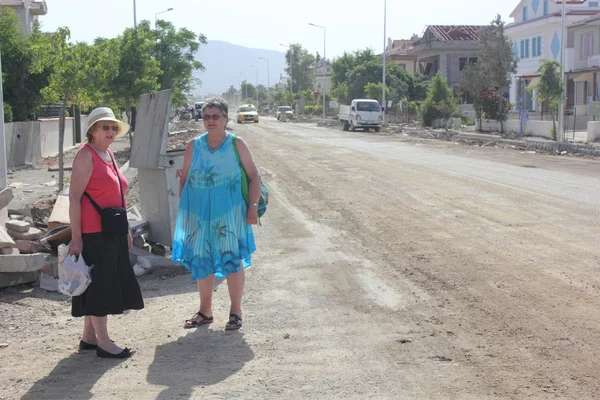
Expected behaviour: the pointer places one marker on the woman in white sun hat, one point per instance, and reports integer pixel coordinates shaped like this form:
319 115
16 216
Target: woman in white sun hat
100 233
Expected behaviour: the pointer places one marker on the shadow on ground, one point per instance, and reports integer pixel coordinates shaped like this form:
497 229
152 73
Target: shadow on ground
201 358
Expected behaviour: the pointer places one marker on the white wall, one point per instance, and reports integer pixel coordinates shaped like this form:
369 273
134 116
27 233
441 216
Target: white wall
530 128
49 136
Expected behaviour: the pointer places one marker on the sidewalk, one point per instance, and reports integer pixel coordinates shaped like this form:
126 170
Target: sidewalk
535 143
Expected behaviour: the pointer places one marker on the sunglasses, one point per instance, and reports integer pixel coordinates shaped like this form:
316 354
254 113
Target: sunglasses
214 117
109 127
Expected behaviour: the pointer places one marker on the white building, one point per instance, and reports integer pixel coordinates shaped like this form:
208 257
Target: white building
536 35
28 11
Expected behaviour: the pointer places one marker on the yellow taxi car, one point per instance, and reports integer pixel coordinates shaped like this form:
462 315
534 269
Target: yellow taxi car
247 113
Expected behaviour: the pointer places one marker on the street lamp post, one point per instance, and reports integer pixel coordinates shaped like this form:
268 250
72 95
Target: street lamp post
268 82
134 15
561 109
291 68
384 48
324 62
256 89
156 15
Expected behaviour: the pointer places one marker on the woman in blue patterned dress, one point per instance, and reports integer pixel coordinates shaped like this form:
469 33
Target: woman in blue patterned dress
214 234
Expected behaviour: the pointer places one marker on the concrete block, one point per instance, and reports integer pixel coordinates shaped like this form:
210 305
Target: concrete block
151 130
5 239
27 246
6 196
22 262
31 234
17 226
17 207
593 131
155 265
14 279
10 251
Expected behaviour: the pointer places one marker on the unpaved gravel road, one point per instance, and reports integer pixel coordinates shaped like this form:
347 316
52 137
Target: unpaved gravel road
388 267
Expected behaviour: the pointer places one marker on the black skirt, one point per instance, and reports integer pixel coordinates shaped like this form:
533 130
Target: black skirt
114 287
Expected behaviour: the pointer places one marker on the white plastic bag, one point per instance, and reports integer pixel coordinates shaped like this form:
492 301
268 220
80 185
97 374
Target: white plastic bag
73 273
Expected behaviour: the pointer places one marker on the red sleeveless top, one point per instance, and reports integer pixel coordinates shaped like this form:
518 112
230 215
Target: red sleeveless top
103 187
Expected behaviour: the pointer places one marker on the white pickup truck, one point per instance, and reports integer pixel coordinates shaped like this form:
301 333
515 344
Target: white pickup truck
361 113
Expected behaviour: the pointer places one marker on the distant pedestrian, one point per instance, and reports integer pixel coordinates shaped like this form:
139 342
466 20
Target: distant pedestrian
214 234
97 185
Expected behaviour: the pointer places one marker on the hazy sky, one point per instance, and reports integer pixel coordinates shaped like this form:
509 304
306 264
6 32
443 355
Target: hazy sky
351 24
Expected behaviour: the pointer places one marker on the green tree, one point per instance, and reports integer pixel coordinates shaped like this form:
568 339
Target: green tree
439 102
496 61
373 91
25 67
474 83
299 61
137 72
67 82
175 52
549 89
248 92
278 96
340 93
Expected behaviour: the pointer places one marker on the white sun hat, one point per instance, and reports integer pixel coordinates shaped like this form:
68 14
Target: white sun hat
106 114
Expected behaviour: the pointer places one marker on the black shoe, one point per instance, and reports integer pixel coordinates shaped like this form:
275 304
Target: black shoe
105 354
87 346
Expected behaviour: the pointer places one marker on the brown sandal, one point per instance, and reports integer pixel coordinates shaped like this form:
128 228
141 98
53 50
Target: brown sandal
193 323
235 322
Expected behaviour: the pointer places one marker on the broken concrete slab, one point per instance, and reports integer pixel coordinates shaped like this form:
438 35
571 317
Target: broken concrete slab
5 239
31 234
28 247
10 251
160 266
13 279
22 262
6 196
17 226
19 208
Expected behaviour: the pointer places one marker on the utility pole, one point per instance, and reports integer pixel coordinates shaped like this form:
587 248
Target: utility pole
3 160
384 48
134 15
561 109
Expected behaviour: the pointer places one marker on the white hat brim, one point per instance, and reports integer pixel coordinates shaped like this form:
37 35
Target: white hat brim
123 126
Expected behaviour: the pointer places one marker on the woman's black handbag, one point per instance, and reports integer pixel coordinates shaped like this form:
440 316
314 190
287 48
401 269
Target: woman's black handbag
114 219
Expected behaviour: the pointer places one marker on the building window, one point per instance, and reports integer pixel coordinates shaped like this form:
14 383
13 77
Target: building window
462 62
586 45
525 13
581 93
546 7
524 48
593 4
403 66
536 46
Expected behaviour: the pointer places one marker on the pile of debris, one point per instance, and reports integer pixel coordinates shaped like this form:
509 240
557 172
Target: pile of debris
22 252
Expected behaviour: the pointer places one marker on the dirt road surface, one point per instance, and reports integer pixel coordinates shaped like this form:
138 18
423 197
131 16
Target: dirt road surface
388 268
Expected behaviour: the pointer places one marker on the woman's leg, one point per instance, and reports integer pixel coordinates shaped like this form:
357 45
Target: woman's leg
235 284
104 341
89 334
205 290
206 287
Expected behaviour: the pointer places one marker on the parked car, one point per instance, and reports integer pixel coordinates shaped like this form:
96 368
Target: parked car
361 113
247 113
289 112
198 110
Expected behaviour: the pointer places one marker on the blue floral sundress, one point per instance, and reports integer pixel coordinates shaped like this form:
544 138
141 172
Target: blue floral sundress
212 235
